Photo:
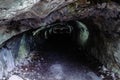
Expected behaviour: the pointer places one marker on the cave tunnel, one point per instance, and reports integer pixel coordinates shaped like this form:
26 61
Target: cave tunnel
78 49
58 51
75 48
61 44
64 39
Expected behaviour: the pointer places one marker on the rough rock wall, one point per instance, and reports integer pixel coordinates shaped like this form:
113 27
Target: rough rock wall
105 38
10 8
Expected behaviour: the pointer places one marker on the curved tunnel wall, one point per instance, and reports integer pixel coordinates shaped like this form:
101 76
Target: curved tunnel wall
104 41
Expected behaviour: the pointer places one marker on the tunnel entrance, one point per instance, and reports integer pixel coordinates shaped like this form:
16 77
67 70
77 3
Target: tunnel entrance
66 42
59 56
56 53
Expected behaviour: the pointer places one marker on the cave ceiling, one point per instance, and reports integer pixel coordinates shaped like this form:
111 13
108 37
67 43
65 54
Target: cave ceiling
25 15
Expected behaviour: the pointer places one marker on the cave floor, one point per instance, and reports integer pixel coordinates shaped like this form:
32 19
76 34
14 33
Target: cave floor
44 65
58 62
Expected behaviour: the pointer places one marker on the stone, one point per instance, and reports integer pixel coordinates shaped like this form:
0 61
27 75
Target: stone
15 77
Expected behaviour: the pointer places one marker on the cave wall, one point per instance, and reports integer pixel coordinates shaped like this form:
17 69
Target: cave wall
104 41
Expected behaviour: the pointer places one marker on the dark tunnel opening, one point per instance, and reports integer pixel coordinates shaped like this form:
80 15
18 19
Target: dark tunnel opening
77 46
63 45
58 52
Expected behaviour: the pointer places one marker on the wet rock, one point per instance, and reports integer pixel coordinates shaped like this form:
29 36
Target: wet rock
10 8
1 70
15 77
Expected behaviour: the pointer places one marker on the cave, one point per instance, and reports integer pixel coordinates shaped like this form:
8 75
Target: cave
59 40
65 41
60 50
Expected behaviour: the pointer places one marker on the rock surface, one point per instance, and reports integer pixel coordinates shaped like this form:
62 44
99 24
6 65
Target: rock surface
102 21
15 77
